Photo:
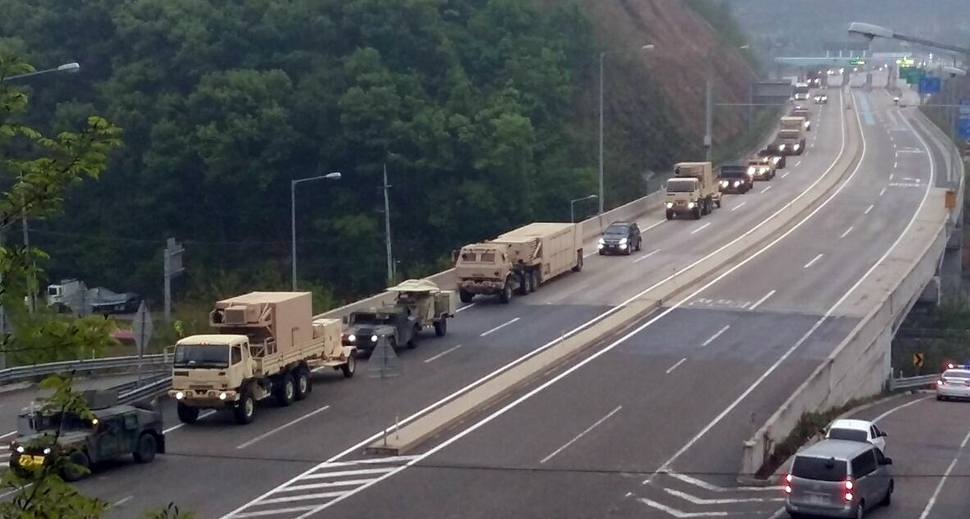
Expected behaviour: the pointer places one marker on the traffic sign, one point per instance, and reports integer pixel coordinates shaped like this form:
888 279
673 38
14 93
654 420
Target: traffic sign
929 85
142 328
963 124
918 360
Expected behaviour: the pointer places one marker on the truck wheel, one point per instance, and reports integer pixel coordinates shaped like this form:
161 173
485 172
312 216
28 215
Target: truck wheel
303 385
350 367
506 294
535 280
697 213
466 297
718 203
441 327
579 261
146 448
286 390
71 471
245 409
188 414
524 284
670 214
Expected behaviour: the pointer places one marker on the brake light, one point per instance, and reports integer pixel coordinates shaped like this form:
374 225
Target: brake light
788 481
848 496
849 484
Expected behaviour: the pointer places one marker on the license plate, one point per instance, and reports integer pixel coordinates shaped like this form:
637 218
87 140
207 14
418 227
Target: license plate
817 500
31 461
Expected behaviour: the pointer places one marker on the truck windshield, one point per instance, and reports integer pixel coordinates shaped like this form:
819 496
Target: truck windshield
28 424
802 89
201 356
681 185
373 319
788 134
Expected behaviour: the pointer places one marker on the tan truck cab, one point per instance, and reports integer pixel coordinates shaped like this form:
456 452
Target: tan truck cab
693 190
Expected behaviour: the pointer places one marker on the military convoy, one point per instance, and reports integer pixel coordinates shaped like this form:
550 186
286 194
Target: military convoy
518 261
419 304
790 139
693 190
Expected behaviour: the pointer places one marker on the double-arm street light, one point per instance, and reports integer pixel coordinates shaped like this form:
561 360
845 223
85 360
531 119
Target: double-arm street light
572 205
602 59
293 183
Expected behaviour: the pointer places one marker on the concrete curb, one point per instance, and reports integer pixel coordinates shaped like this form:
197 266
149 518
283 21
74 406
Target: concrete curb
425 428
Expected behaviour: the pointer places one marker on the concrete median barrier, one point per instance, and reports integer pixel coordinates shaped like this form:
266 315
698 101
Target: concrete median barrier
859 365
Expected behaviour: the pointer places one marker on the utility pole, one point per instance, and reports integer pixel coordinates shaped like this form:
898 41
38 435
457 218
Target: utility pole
387 230
709 121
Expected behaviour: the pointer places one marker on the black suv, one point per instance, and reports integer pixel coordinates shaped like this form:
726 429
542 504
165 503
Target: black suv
735 179
621 237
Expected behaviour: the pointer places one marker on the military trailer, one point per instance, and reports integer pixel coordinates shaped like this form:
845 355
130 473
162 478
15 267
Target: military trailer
267 345
521 260
693 190
418 305
114 431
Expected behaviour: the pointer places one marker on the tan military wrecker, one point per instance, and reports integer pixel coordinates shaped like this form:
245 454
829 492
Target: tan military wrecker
267 344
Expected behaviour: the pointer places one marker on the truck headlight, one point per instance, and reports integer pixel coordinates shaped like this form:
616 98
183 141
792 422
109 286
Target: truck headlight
751 171
764 170
223 395
180 395
373 338
736 183
602 241
781 147
690 205
20 449
796 147
351 338
670 205
724 183
47 450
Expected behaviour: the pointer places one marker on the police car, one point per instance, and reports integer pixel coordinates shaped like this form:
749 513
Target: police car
954 383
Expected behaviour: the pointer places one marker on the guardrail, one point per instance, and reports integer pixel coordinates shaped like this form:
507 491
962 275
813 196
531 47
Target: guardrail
147 392
911 382
26 373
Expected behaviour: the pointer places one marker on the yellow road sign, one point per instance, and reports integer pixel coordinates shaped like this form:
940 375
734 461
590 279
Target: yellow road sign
918 360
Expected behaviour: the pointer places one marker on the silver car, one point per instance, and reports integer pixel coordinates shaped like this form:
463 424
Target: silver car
954 383
838 478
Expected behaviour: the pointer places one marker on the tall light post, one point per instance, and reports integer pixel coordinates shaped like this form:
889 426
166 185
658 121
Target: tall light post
70 68
602 60
572 205
871 32
329 176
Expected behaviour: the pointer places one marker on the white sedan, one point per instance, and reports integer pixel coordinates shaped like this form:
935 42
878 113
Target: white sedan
857 430
954 383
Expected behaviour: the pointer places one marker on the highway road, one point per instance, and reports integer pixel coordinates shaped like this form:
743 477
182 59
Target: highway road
679 393
340 415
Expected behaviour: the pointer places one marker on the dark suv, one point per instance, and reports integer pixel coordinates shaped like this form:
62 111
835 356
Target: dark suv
623 237
736 179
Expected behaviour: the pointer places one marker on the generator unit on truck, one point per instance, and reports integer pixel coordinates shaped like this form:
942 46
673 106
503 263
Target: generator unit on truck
693 190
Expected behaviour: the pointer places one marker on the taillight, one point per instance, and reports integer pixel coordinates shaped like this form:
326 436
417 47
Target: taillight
848 496
788 480
849 485
941 382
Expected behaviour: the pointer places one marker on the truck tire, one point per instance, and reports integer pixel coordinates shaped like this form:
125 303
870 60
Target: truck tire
525 283
670 214
506 295
245 409
147 447
441 327
71 473
465 296
535 280
188 414
697 213
286 390
718 203
303 384
579 261
350 367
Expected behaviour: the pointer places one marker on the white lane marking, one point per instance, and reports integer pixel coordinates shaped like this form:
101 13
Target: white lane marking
883 192
277 511
735 208
891 175
799 163
359 472
765 190
939 487
898 407
785 174
350 450
442 354
762 300
870 208
701 227
810 263
580 435
895 165
499 327
828 313
11 433
210 412
715 336
679 362
645 256
280 428
466 307
677 513
846 233
305 497
690 480
122 501
707 502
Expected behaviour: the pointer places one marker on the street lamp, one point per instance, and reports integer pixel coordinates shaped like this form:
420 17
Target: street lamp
293 183
602 59
572 205
871 32
70 68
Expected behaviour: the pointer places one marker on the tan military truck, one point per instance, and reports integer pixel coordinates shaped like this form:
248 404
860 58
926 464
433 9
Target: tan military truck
801 111
790 139
693 190
761 168
267 344
519 260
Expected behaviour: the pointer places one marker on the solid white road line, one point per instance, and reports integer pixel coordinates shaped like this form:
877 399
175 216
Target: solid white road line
701 227
280 428
898 407
723 501
442 354
939 487
762 300
466 307
735 208
715 336
846 233
679 362
677 513
870 208
810 263
121 501
645 256
580 435
499 327
11 433
210 412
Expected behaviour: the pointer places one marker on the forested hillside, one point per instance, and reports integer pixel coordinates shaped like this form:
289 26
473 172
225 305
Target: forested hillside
483 111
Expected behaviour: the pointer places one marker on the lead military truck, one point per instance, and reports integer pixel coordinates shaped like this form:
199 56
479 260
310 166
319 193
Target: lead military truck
267 345
693 190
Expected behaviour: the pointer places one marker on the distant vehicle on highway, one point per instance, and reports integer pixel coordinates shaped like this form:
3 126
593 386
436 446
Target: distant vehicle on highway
736 178
72 295
821 99
954 383
838 478
857 430
622 237
780 159
761 168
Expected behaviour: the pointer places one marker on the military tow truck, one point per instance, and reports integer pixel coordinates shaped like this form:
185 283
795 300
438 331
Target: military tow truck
115 431
419 304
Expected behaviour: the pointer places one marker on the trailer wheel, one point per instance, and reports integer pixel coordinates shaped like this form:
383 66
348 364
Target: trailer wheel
506 294
465 296
245 409
286 391
441 327
303 385
188 414
350 367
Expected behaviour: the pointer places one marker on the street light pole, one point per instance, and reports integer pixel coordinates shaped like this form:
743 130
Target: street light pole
71 68
293 183
572 205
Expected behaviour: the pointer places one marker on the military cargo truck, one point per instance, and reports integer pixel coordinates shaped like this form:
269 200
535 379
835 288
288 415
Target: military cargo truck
693 190
418 304
267 344
519 260
114 431
761 168
779 159
801 111
790 139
